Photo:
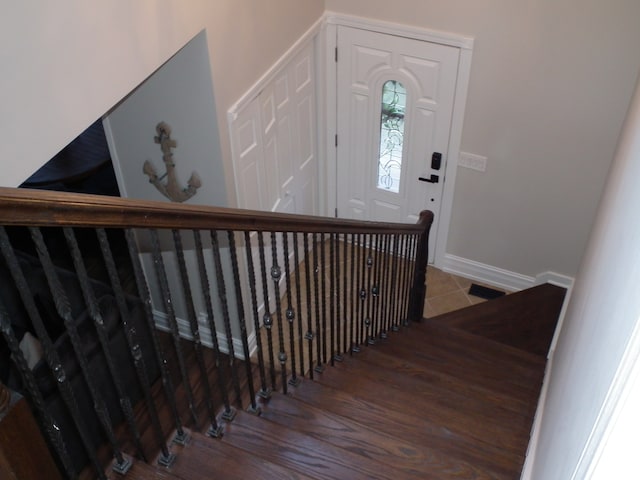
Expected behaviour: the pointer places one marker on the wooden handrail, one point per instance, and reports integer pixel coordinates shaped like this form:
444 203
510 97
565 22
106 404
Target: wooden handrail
46 208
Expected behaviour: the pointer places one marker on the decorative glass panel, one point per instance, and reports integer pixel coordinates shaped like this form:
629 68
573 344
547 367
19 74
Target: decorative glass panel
394 102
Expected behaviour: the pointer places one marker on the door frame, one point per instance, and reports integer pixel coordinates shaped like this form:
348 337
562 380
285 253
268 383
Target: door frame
328 151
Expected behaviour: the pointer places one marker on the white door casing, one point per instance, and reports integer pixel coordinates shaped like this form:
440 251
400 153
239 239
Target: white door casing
428 71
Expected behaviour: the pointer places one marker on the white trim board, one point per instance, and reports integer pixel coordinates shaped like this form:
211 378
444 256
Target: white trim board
499 277
162 323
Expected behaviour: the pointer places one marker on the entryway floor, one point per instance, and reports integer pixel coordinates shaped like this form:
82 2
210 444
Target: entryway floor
447 292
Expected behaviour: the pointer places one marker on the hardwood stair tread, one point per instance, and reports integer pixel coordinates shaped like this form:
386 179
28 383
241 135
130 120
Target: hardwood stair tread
416 400
525 320
465 361
302 453
419 430
412 459
205 457
386 364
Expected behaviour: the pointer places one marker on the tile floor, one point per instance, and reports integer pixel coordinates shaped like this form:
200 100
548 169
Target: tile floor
447 292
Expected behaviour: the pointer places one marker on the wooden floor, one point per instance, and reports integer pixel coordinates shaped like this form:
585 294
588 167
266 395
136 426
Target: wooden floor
450 398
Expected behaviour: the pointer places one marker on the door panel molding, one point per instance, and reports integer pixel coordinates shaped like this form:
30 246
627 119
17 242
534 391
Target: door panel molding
464 43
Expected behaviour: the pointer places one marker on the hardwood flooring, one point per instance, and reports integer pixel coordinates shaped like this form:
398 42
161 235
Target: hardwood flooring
452 397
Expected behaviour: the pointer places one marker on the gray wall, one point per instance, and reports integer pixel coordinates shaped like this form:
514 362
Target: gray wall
550 85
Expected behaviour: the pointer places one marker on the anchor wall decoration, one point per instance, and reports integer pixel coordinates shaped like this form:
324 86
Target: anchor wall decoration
170 189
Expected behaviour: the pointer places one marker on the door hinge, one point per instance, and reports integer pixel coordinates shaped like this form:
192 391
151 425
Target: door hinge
336 54
336 139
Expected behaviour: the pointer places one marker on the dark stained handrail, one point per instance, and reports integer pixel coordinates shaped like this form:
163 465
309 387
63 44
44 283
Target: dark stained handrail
46 208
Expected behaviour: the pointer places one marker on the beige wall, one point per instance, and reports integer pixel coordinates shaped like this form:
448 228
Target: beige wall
65 64
550 84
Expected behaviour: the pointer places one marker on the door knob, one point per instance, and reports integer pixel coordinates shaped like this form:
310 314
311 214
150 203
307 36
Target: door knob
432 179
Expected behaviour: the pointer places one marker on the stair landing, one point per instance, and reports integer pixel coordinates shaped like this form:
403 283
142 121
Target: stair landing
449 398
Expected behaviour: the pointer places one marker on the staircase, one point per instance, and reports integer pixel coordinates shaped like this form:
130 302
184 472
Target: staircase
240 344
434 401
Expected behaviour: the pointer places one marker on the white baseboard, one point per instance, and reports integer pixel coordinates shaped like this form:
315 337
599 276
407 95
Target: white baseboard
499 277
162 322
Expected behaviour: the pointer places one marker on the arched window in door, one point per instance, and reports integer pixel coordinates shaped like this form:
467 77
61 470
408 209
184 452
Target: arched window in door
394 103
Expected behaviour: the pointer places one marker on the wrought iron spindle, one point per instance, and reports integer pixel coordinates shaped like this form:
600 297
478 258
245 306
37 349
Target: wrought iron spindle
388 281
167 300
214 428
228 413
414 294
267 318
369 262
226 318
382 287
265 392
63 308
309 335
47 423
290 313
132 342
362 294
375 289
345 296
96 315
166 458
319 367
51 356
276 274
353 298
395 290
253 407
323 285
336 350
296 259
332 293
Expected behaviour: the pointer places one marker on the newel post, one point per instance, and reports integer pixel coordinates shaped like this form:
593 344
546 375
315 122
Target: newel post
419 286
23 452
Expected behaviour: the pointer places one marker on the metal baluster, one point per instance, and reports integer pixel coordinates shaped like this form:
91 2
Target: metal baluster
47 423
388 281
229 413
63 307
290 313
253 407
395 290
226 319
134 345
375 290
319 367
296 259
309 335
362 293
382 287
267 318
276 274
103 338
337 354
214 429
323 289
369 337
50 354
265 392
166 458
353 297
165 293
332 293
401 276
345 296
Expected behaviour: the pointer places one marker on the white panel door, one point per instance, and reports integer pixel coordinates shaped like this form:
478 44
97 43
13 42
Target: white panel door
427 74
287 118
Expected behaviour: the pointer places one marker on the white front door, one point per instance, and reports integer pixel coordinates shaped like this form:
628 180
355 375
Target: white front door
395 103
